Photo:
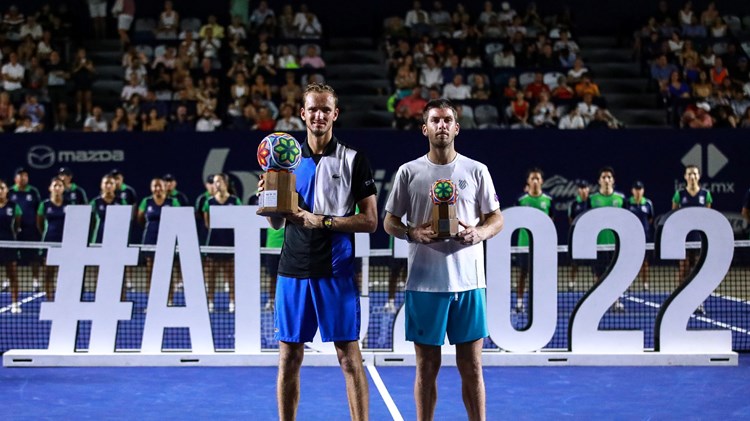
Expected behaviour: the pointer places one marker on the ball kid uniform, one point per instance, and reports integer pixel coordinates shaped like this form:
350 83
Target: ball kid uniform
28 200
606 237
746 203
577 207
152 212
543 202
316 286
8 214
199 221
644 211
683 199
99 206
220 237
54 220
445 288
75 195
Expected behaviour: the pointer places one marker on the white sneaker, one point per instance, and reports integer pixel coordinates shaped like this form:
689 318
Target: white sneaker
170 303
231 306
15 308
701 310
129 285
6 284
520 308
270 305
180 285
618 306
35 285
390 306
226 286
571 286
210 306
645 286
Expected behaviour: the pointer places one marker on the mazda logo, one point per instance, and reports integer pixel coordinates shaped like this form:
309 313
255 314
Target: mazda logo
41 157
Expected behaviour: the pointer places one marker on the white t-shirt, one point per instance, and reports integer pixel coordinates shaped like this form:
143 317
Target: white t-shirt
444 266
17 71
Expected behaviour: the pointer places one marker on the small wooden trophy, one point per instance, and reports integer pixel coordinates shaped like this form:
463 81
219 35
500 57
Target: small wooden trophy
444 221
279 154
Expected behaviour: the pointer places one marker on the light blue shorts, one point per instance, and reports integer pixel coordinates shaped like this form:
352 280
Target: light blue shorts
430 315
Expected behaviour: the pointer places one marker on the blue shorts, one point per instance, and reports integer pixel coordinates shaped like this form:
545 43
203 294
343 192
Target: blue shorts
305 304
430 315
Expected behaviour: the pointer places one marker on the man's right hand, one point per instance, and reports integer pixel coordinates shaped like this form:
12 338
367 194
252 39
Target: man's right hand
423 234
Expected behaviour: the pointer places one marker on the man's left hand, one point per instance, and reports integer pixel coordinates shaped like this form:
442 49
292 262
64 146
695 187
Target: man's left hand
470 235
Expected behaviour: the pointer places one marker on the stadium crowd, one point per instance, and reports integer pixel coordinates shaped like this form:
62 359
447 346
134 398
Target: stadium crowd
698 64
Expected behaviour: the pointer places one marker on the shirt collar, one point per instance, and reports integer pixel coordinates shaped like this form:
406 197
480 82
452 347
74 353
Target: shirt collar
329 150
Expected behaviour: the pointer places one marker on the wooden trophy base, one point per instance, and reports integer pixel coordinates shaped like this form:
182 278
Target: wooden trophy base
279 196
444 220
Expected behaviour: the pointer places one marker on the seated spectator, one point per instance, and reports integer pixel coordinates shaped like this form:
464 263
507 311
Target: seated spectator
167 59
532 19
702 89
586 86
718 72
572 120
287 60
312 59
120 122
310 28
257 101
169 22
149 102
181 120
547 59
544 115
511 89
239 92
587 108
697 117
710 15
246 121
677 88
602 120
708 57
576 73
413 16
494 29
480 90
409 110
457 90
486 14
516 26
660 71
260 14
209 47
536 87
44 46
688 53
406 77
263 67
260 87
452 67
27 126
676 44
718 29
264 120
95 122
691 72
208 121
31 28
287 28
471 59
154 122
745 120
206 100
740 103
291 91
431 74
237 29
519 112
12 21
287 121
566 43
36 80
137 69
563 90
694 30
12 74
504 58
440 19
212 27
7 113
34 110
238 67
741 72
725 118
189 46
134 87
567 58
188 92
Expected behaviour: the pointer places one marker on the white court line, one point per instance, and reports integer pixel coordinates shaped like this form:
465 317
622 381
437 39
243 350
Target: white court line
384 393
24 301
701 318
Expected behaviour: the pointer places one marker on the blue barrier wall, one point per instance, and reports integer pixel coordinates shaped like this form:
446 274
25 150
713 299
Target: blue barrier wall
657 157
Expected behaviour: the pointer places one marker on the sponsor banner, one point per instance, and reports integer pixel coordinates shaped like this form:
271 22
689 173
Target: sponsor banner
655 157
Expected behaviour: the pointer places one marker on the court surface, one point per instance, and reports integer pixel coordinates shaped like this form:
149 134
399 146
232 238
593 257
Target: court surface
526 393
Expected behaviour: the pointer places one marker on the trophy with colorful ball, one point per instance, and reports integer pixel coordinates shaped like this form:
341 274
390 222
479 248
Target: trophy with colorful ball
444 195
279 154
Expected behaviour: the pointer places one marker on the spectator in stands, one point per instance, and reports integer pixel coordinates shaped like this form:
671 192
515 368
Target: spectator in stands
494 29
431 74
287 121
287 60
487 14
291 91
259 15
745 121
245 121
565 42
702 89
457 90
602 120
697 117
480 89
207 97
211 25
34 110
562 91
547 58
471 60
710 15
587 86
459 14
134 87
506 13
566 58
467 32
676 45
694 30
708 58
528 56
677 89
718 72
167 59
209 46
208 121
264 121
36 80
465 121
137 69
685 14
264 66
719 29
510 90
516 26
587 108
31 29
440 20
260 87
25 125
83 77
576 73
409 110
181 121
536 87
169 22
287 28
688 53
124 10
725 118
740 103
452 68
149 102
741 73
257 101
415 14
571 120
312 59
310 28
236 30
95 122
13 73
544 114
154 122
239 92
406 77
504 58
532 19
519 112
120 122
7 113
133 110
12 21
98 13
44 46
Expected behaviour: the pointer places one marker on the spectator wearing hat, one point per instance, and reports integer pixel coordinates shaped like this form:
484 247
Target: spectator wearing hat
28 199
698 117
73 194
643 209
578 206
170 183
123 191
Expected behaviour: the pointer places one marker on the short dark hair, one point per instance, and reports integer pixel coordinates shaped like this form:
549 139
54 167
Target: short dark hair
439 103
534 170
319 88
606 169
687 167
